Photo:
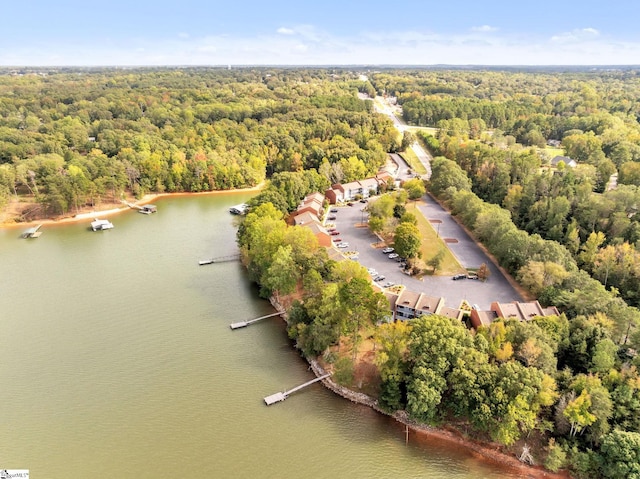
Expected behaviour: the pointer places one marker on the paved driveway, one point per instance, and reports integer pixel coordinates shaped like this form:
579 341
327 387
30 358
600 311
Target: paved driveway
360 239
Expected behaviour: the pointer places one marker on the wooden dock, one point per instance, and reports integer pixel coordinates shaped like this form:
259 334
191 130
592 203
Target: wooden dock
220 259
244 324
281 396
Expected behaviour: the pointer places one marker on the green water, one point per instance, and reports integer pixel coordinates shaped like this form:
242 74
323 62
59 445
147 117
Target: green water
118 361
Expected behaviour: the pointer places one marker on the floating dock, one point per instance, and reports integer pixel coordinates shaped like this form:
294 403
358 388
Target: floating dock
281 396
244 324
32 232
220 259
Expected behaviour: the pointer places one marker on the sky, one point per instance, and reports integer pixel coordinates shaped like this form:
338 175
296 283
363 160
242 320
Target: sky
319 32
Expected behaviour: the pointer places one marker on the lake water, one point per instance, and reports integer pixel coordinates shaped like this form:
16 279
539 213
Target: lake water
118 361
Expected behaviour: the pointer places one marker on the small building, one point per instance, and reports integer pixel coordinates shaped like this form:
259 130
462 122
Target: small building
555 161
309 220
452 313
411 305
515 310
482 318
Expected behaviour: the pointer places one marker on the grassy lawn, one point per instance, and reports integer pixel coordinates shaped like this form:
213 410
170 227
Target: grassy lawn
431 244
410 157
553 152
428 129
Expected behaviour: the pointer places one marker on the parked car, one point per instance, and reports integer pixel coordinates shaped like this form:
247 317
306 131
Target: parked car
379 278
388 284
387 250
472 276
459 276
337 240
331 217
393 255
333 210
334 232
363 200
350 203
343 245
331 230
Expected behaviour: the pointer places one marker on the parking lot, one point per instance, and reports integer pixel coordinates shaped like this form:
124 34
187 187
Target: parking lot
370 255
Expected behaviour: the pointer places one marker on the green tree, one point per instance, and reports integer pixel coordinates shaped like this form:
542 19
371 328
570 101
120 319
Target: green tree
407 240
577 413
620 452
436 260
415 188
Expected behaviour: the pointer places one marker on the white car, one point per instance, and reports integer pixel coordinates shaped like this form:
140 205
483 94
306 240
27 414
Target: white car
387 250
393 255
342 245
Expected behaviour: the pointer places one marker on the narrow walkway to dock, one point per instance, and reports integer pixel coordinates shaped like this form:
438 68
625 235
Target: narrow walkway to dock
243 324
281 396
220 259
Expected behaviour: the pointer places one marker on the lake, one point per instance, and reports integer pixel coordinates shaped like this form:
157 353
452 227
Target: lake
118 361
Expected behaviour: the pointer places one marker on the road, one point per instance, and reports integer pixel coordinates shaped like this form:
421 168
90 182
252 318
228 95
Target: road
381 105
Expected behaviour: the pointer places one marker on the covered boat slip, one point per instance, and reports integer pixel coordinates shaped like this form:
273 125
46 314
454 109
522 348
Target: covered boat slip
240 209
32 232
101 225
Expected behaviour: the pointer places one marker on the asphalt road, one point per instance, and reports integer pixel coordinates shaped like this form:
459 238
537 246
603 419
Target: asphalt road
360 239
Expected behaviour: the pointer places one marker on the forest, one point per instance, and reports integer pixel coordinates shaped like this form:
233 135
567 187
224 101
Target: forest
566 385
70 139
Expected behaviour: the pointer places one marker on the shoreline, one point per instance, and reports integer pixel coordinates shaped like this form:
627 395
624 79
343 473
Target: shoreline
485 452
88 213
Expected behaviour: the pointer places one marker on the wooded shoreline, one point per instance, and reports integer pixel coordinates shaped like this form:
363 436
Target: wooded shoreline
483 451
113 209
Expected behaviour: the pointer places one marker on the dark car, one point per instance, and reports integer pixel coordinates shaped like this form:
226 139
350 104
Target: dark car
363 200
334 233
379 278
333 210
459 276
331 217
350 203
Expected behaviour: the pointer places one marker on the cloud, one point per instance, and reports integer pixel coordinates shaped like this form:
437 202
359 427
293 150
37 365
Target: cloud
285 31
308 45
183 35
484 28
577 35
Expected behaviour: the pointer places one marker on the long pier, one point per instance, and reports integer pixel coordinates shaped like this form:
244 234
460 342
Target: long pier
220 259
281 396
244 324
133 206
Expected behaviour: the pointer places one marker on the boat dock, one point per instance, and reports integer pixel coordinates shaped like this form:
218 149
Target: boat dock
145 209
281 396
240 209
32 232
220 259
244 324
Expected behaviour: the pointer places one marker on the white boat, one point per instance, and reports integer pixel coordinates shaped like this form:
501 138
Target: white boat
99 225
